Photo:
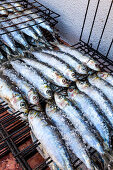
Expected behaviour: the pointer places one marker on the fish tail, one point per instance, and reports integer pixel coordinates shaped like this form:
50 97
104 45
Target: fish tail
106 157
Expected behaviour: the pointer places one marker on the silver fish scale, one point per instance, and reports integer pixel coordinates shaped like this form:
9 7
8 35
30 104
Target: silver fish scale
106 88
91 112
54 62
50 140
40 83
106 76
100 99
71 138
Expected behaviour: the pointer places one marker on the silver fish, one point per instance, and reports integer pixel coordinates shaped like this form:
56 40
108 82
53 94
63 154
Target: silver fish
85 59
70 137
74 115
40 21
91 111
98 97
17 6
7 40
50 140
27 90
21 24
35 79
5 49
16 35
106 76
3 11
69 59
13 98
105 87
51 74
56 63
43 153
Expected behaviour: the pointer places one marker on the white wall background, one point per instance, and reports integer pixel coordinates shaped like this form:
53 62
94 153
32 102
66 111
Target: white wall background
72 14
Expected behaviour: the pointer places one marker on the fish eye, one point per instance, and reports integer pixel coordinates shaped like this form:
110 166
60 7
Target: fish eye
48 92
22 104
64 81
73 74
60 97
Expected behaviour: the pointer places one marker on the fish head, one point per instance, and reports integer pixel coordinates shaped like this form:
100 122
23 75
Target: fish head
82 69
82 85
71 74
103 74
51 107
72 91
62 81
93 65
48 93
18 102
61 100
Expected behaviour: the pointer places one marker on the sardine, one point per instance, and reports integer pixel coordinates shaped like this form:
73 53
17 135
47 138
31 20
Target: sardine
105 87
3 11
17 6
73 113
99 98
13 98
51 74
56 63
7 40
50 140
5 49
85 59
90 110
27 90
34 77
106 76
69 59
70 137
16 35
21 24
43 153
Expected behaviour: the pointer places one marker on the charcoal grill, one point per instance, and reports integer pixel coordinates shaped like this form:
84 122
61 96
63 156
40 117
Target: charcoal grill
13 131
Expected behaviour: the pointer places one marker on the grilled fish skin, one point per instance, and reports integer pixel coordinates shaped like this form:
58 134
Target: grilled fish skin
21 24
14 98
106 76
35 79
50 140
27 90
55 63
15 34
71 139
69 59
91 111
43 153
105 87
3 11
87 60
51 74
98 97
7 40
74 115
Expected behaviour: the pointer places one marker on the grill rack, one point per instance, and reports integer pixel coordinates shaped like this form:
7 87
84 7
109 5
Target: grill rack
13 131
36 8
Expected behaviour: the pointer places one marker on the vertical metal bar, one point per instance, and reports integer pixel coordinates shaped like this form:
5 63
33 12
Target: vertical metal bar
105 24
109 48
84 19
93 21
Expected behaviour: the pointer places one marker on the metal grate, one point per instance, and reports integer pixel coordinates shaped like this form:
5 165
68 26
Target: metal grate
102 11
36 8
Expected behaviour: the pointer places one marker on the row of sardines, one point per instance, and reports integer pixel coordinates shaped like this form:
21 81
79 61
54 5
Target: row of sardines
22 29
78 109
